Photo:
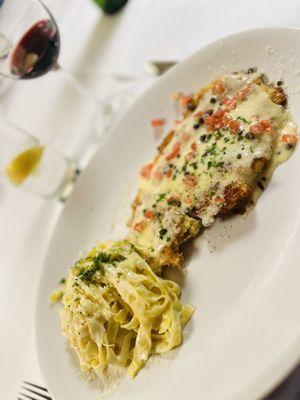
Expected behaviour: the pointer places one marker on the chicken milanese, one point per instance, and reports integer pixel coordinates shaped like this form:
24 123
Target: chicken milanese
210 163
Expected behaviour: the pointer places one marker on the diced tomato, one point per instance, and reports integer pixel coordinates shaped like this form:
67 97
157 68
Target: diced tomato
216 120
261 127
266 125
219 113
190 156
190 180
218 87
169 173
230 103
186 136
174 200
174 153
146 170
140 226
158 174
219 199
224 122
289 139
256 129
158 122
149 214
210 123
185 98
243 93
194 146
233 126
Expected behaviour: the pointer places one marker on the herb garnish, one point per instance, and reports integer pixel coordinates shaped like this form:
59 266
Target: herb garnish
160 197
244 120
87 275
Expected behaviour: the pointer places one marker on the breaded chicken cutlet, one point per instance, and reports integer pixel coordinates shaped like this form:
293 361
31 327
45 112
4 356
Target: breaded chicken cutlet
209 164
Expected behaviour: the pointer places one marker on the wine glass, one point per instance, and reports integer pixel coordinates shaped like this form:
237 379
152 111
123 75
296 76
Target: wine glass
30 46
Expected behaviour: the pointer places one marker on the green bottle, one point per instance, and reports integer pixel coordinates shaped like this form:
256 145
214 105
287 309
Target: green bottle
111 6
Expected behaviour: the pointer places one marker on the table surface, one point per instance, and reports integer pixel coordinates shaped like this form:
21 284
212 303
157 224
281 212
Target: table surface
94 48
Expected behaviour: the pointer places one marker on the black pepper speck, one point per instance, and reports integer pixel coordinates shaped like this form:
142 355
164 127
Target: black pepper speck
249 135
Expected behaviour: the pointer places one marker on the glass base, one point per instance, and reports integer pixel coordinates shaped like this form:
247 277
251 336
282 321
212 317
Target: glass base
5 85
67 187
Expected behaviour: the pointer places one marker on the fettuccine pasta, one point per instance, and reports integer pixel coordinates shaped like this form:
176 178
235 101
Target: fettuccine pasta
117 311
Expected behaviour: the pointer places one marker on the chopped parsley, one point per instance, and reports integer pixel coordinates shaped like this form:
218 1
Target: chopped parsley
160 197
212 149
215 164
244 120
87 274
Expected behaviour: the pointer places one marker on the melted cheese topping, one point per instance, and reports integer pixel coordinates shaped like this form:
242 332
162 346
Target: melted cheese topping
215 146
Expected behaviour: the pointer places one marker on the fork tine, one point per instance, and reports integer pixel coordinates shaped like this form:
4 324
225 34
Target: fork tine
34 392
36 386
28 397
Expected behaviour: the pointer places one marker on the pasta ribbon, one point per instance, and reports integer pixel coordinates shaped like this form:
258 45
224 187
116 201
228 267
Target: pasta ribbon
117 311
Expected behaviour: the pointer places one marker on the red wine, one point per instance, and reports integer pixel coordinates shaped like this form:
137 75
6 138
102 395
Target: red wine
37 51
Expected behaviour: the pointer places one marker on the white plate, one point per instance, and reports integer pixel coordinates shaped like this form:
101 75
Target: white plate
245 335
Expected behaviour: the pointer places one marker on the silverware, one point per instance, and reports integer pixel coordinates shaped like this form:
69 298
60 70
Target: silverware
33 392
157 68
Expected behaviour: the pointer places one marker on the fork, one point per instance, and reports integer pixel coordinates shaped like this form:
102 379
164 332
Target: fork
33 392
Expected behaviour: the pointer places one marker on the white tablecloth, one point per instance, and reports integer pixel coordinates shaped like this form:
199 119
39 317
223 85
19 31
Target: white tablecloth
93 47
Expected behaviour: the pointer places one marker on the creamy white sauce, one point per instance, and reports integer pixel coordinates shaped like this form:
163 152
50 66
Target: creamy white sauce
223 159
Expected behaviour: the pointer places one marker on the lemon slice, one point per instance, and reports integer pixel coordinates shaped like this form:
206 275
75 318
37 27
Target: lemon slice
23 165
